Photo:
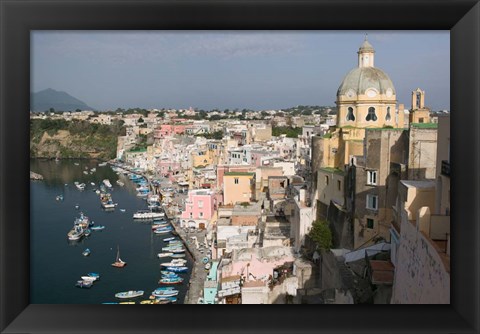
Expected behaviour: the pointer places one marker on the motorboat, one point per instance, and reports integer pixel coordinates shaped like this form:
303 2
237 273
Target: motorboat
107 183
157 226
120 183
89 278
162 232
80 186
86 252
179 255
164 292
97 228
84 284
169 239
145 214
129 294
160 255
59 198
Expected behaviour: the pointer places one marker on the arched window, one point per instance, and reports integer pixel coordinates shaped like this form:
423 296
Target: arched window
371 114
350 116
388 117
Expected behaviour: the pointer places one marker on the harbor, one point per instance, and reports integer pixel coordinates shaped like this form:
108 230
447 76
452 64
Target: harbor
57 203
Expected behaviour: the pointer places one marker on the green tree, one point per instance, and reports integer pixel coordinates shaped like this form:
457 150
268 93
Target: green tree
321 234
140 120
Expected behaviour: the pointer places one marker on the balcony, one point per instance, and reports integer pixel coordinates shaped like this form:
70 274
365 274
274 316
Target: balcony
446 168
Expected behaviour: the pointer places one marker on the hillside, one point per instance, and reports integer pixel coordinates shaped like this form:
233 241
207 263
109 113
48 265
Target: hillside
60 101
79 139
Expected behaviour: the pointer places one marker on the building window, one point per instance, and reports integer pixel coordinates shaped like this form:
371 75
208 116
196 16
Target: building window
371 114
191 215
372 202
370 223
200 204
372 177
388 117
326 180
420 120
236 180
339 185
350 116
200 214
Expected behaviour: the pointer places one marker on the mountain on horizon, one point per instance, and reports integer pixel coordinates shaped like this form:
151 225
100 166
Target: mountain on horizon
60 101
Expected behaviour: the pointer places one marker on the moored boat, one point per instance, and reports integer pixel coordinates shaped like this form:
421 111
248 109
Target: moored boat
118 262
84 284
179 269
86 252
169 239
160 255
97 228
173 280
144 214
129 294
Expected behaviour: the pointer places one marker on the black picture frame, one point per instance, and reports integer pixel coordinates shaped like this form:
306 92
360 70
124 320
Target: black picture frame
19 17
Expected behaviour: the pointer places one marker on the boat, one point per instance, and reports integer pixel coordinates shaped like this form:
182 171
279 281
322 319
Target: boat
118 262
85 172
145 214
84 284
175 250
160 255
162 231
157 226
129 294
89 278
92 183
169 239
179 255
169 274
107 183
97 228
86 252
80 186
164 292
122 210
76 163
179 269
103 164
120 183
76 233
93 169
97 275
173 280
59 198
110 303
127 303
208 266
88 232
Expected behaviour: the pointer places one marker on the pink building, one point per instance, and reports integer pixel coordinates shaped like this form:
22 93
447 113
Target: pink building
168 130
168 168
199 208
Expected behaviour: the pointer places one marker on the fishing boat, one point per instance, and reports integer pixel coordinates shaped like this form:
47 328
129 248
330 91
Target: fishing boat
164 228
59 198
174 250
86 252
103 164
179 269
84 284
164 292
118 262
97 275
162 231
169 274
169 239
98 228
170 281
129 294
160 255
76 233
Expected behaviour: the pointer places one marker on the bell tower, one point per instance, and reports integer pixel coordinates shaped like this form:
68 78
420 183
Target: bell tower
366 54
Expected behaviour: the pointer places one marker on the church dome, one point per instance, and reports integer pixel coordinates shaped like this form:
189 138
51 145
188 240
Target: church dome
360 79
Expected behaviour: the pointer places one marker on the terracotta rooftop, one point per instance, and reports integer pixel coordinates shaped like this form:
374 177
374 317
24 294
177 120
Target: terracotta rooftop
253 284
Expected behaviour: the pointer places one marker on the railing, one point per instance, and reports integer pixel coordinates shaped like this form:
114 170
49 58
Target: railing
446 168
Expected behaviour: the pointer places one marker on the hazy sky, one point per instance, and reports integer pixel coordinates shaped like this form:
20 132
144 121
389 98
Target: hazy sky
232 69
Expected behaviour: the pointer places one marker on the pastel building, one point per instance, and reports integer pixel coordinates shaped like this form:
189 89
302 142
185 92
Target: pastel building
238 187
199 208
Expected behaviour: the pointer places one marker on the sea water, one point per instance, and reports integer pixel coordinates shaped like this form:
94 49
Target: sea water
57 263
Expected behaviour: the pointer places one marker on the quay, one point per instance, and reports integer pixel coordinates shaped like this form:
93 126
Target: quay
35 176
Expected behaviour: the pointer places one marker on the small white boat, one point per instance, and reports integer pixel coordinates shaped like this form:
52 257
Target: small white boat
107 183
123 210
120 183
160 255
144 214
169 239
92 183
89 278
129 294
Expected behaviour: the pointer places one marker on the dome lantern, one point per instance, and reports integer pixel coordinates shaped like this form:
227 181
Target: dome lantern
366 54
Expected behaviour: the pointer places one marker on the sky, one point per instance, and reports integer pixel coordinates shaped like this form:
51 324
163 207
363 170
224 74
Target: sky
257 70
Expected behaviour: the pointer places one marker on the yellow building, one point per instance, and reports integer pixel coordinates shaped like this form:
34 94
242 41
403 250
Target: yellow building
238 187
202 157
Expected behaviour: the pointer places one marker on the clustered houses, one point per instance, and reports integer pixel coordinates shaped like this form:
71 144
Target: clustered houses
377 173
